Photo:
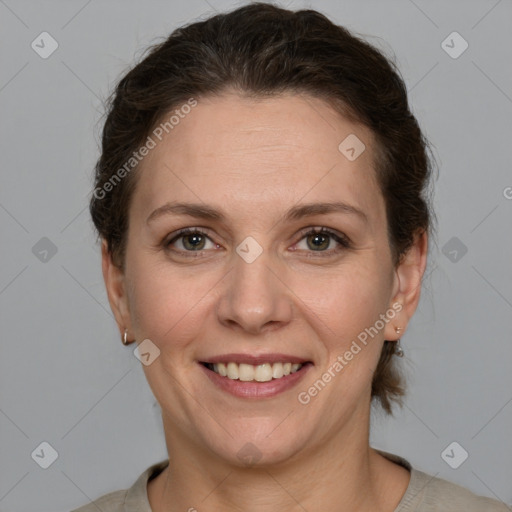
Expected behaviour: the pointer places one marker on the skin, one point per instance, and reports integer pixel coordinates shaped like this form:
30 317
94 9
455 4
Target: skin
253 160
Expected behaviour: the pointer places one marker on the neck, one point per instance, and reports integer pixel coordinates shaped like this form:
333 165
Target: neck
342 473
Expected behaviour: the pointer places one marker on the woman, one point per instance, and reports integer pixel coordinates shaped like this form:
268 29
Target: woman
261 200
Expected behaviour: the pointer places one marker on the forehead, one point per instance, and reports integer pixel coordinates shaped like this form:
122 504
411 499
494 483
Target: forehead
261 153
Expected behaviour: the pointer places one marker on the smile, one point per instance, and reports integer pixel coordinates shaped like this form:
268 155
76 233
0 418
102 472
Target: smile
255 376
249 373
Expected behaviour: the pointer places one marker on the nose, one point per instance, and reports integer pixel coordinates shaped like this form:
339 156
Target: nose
254 299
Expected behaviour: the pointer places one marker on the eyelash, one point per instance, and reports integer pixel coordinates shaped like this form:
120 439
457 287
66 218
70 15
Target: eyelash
342 240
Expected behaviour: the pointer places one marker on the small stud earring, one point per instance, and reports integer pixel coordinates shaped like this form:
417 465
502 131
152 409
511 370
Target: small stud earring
125 337
398 347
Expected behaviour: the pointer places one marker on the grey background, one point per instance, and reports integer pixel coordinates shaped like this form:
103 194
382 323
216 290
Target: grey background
65 377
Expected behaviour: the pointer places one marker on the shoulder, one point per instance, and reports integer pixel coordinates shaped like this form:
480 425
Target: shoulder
134 499
427 493
111 502
438 494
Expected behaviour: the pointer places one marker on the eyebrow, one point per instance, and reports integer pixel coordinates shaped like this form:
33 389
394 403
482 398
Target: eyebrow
203 211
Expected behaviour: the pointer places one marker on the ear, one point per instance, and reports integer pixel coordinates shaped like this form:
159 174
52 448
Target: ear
116 289
408 277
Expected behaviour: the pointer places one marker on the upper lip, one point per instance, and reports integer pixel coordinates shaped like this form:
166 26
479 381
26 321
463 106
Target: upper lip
254 359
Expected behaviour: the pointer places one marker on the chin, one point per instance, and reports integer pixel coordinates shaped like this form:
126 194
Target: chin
257 446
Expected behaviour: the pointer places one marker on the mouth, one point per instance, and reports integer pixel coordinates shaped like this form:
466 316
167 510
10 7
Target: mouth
254 373
255 376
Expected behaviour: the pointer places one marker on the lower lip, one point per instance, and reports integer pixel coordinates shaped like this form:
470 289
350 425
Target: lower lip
254 389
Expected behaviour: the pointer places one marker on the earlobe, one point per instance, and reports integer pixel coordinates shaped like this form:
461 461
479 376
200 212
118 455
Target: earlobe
408 279
114 280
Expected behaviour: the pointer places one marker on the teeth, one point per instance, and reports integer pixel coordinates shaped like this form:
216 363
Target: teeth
259 373
221 369
277 370
232 371
263 372
245 372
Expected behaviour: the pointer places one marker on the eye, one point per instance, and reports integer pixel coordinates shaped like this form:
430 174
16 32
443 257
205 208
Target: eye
319 240
323 240
191 240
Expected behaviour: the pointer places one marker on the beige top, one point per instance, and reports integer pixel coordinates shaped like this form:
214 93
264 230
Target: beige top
425 493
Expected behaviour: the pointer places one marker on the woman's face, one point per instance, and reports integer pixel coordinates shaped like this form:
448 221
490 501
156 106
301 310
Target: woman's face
253 286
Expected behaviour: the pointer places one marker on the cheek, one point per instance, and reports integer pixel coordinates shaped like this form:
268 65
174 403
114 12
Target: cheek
166 303
343 301
340 309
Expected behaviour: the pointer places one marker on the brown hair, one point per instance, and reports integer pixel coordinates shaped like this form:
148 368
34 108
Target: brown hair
263 50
